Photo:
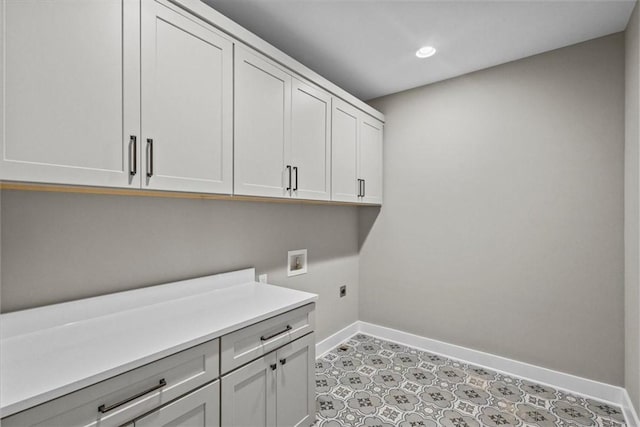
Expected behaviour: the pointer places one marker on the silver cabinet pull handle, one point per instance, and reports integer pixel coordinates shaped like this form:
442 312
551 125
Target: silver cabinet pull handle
133 155
359 187
267 338
295 168
364 187
149 157
104 409
289 169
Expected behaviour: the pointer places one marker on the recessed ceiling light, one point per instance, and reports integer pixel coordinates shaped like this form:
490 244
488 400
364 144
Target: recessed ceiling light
426 51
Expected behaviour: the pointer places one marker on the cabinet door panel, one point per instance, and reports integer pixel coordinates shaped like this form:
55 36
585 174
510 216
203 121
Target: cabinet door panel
249 395
262 123
296 383
344 159
71 91
186 102
311 141
200 408
370 168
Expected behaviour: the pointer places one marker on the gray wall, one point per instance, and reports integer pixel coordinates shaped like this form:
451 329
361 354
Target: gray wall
58 247
632 212
502 225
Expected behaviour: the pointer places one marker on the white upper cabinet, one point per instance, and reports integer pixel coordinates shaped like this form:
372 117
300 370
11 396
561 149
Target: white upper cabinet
282 132
345 184
310 142
187 101
70 92
357 155
370 160
262 123
160 95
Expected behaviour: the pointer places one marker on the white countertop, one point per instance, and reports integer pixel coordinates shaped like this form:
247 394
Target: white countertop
50 351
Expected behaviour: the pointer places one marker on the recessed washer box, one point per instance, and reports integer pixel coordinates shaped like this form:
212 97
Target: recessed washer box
296 262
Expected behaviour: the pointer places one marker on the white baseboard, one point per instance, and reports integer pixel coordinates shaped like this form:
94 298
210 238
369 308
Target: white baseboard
629 411
559 380
334 340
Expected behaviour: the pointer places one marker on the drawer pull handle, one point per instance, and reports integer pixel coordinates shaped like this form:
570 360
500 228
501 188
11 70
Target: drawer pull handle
104 409
283 361
273 366
287 329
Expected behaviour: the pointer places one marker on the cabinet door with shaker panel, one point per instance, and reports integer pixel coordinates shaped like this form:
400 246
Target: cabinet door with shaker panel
71 84
356 155
187 90
262 123
310 141
370 160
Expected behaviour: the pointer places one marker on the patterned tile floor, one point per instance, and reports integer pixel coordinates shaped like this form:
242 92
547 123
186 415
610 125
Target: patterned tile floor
370 382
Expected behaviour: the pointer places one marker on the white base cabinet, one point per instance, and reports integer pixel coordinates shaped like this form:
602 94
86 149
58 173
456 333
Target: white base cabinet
259 375
276 390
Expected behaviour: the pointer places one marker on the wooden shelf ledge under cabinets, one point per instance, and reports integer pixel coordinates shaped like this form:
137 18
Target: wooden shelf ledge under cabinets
52 188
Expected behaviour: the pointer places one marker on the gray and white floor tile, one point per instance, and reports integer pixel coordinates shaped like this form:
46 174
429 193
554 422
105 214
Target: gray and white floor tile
371 382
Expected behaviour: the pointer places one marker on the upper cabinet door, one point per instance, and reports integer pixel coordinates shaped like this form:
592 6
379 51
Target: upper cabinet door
187 90
370 161
344 158
310 142
70 92
262 127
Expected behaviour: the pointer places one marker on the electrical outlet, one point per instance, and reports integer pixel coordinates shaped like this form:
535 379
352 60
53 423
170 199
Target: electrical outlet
262 278
343 291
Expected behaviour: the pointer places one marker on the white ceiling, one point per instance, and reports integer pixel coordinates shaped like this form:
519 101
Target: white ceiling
368 47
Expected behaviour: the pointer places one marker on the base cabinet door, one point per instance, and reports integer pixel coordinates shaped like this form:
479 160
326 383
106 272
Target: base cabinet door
249 394
277 389
70 88
187 102
296 383
200 408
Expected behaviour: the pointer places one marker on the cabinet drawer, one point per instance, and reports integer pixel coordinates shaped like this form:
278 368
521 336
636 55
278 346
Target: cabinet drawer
244 345
122 398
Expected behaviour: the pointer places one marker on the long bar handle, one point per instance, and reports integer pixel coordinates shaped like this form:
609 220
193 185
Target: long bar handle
364 187
133 155
295 168
104 409
149 157
267 338
289 187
